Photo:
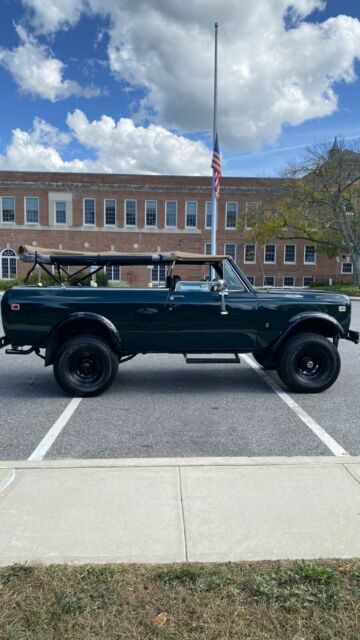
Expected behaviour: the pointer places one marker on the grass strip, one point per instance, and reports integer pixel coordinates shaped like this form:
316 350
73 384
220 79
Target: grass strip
251 601
348 289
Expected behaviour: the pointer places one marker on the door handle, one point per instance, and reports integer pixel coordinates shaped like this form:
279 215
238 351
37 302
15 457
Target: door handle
176 297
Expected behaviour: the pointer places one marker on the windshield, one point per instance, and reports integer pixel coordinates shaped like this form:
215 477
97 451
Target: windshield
231 277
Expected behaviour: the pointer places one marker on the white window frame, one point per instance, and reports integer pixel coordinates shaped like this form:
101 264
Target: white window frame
226 244
270 261
246 211
158 267
307 285
250 244
252 280
289 285
89 224
208 202
14 256
347 273
307 261
60 224
269 285
131 226
112 266
207 244
2 210
25 210
171 226
151 226
196 215
289 261
110 224
226 215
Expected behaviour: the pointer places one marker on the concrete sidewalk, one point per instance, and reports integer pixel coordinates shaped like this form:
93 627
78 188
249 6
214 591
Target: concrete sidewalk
178 510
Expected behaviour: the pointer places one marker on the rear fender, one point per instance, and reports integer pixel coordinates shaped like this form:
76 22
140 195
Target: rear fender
81 323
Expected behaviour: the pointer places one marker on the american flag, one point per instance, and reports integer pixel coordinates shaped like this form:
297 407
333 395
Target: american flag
216 166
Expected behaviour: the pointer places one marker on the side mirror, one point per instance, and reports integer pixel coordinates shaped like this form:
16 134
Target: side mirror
219 286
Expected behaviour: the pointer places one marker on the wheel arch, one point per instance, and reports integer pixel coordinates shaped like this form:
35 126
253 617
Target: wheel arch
320 323
81 323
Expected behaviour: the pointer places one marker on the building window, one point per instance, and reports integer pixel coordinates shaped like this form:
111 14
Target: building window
31 210
150 213
231 215
208 215
251 280
130 213
290 254
249 253
310 254
170 213
8 264
89 211
208 248
113 273
346 267
230 250
191 213
269 281
308 280
270 253
251 209
289 281
7 204
158 273
60 212
110 212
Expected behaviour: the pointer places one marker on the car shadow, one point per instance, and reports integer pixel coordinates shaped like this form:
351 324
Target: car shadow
169 380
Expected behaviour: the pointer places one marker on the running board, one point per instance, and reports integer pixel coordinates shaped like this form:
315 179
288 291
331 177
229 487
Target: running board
234 360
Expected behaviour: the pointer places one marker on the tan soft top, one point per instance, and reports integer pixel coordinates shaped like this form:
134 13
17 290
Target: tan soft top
31 254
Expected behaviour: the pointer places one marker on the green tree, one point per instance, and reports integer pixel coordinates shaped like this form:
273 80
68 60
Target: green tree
318 200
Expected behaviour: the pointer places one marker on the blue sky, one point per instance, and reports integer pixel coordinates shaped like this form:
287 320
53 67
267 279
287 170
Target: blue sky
119 86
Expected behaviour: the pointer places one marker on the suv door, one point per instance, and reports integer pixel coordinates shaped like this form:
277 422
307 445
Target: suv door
195 322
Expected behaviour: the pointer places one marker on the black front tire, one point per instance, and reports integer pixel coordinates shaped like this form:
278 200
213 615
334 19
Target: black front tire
309 363
85 366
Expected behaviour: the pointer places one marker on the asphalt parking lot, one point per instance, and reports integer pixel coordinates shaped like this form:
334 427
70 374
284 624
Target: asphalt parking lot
161 407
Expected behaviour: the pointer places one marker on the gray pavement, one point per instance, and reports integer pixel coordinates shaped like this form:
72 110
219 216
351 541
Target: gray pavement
127 480
179 510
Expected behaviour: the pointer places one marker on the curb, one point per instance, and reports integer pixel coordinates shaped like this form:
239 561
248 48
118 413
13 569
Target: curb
180 462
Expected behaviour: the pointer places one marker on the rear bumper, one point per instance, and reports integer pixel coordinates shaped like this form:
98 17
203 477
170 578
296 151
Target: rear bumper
353 336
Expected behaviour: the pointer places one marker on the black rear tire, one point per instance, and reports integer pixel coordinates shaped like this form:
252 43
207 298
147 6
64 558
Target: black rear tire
85 366
267 362
309 363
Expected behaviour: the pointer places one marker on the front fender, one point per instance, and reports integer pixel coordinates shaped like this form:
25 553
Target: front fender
313 322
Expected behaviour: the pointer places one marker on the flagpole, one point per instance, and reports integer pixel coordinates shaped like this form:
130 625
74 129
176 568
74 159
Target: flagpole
214 200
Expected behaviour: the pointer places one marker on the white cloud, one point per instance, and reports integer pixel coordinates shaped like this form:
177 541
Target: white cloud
50 16
37 72
119 147
269 75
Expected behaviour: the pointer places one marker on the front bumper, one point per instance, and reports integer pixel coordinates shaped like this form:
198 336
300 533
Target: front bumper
353 336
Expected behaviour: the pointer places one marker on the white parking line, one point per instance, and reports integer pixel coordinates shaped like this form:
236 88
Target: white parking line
8 480
334 446
45 444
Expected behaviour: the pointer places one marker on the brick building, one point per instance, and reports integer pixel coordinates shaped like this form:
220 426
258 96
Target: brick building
139 213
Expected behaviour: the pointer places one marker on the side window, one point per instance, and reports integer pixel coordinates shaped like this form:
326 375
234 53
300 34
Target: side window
8 264
130 213
89 211
31 210
110 212
7 209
